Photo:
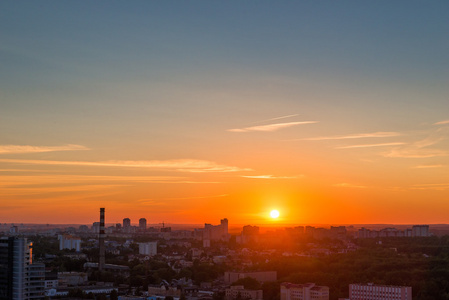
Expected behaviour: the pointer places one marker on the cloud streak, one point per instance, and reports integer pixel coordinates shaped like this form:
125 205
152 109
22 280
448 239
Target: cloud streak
431 186
370 145
183 165
271 127
17 149
278 118
416 153
442 122
272 177
348 185
355 136
427 166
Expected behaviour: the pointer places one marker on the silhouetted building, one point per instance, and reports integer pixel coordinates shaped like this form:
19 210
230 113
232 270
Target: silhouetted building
250 234
216 232
143 224
126 223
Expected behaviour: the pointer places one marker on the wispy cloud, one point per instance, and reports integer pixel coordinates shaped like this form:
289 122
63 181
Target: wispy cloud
184 165
415 153
272 177
36 149
349 185
427 166
370 145
271 127
77 179
420 148
278 118
355 136
57 189
442 122
184 198
431 186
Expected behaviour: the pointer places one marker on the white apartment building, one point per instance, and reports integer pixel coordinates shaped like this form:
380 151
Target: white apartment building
149 249
379 292
69 242
234 291
307 291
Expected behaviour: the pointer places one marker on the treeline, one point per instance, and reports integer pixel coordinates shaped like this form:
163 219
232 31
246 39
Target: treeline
422 263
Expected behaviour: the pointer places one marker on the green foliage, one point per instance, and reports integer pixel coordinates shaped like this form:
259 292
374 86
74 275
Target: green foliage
249 283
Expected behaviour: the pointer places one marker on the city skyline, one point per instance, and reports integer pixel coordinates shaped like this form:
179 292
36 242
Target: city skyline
187 113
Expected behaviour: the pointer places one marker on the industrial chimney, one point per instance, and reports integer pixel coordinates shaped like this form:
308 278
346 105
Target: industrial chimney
101 241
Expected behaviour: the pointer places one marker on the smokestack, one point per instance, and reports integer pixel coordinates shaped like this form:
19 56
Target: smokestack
101 241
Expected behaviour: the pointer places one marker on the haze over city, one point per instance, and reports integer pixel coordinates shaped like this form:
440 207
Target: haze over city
190 112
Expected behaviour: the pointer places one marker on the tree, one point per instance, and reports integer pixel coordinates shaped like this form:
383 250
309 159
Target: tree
114 295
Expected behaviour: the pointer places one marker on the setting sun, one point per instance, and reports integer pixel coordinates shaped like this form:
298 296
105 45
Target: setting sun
274 214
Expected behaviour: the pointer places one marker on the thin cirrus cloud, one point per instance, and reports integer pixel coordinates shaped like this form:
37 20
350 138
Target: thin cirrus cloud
278 118
431 186
427 166
80 179
419 149
370 145
416 153
355 136
348 185
271 127
272 177
183 165
17 149
442 122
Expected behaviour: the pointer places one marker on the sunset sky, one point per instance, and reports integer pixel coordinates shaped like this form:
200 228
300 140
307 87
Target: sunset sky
331 112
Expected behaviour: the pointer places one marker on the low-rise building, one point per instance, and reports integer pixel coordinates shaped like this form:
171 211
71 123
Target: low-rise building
371 291
149 249
233 292
307 291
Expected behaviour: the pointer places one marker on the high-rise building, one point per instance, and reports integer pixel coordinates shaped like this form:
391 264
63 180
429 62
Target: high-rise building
307 291
420 230
126 223
216 232
20 279
379 292
143 224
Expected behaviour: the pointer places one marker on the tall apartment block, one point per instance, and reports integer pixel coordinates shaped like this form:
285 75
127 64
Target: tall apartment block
379 292
142 224
20 279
